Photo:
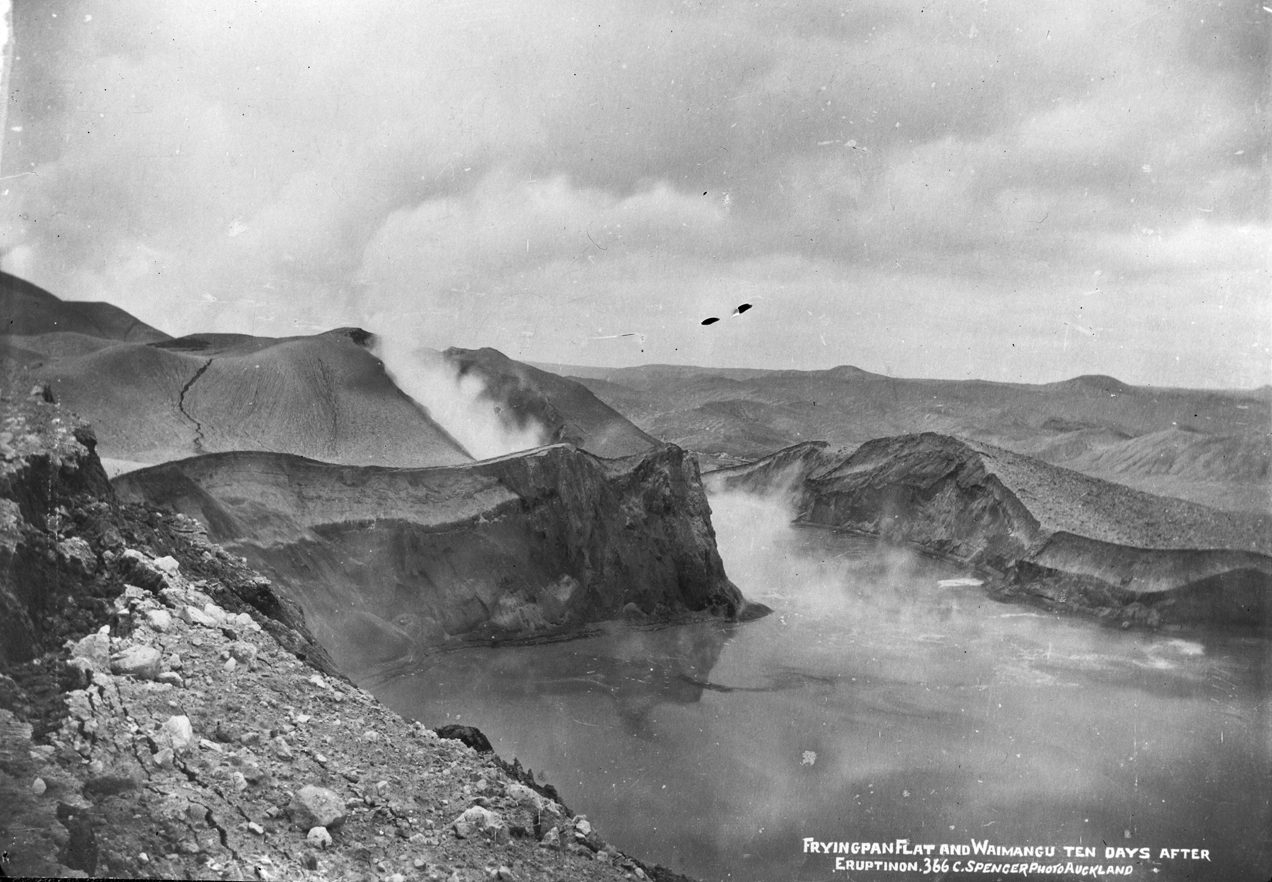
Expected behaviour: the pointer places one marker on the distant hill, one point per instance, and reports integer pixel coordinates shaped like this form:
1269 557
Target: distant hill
565 408
1226 471
745 414
27 310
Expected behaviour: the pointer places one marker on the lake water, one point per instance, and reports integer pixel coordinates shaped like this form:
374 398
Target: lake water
878 703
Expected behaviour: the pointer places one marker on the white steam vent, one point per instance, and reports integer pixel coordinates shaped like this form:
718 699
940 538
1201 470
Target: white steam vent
460 404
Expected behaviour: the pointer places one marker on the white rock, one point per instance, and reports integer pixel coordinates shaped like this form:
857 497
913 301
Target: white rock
314 806
159 619
243 651
38 786
140 661
318 837
525 796
197 616
166 565
94 649
176 733
477 820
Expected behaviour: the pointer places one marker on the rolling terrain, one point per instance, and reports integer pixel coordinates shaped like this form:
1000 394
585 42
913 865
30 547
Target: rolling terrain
1206 446
1036 530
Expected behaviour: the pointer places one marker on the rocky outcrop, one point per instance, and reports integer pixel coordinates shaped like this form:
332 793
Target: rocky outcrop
46 467
1038 531
387 562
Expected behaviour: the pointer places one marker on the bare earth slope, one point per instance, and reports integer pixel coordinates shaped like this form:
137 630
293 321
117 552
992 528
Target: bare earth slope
387 562
734 415
564 407
1041 531
325 396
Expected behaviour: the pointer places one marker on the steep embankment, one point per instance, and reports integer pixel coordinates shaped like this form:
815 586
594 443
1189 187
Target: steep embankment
163 713
325 396
386 562
1041 531
564 408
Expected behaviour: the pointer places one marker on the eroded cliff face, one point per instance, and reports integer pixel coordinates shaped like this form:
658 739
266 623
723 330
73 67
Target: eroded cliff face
390 562
1036 531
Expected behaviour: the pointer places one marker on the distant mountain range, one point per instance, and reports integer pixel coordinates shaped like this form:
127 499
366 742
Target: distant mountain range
1207 446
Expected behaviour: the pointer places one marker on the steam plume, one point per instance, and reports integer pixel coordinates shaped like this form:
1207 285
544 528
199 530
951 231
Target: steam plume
459 404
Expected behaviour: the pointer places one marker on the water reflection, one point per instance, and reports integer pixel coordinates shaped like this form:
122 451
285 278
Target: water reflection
876 703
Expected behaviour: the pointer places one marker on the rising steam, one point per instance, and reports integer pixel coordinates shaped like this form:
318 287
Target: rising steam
460 404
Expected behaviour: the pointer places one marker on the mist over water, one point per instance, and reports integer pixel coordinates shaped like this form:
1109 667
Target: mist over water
459 403
881 699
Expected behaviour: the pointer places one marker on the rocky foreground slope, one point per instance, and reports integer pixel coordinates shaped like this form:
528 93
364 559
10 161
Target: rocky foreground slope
164 713
390 562
1039 531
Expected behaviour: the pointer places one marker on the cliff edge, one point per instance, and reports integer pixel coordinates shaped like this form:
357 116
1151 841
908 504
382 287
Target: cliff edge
1039 531
389 562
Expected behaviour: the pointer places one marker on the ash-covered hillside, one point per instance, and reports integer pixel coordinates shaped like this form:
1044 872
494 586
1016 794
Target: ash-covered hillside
324 396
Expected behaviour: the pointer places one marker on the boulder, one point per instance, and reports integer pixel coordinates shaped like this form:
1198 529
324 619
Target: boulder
314 806
469 735
477 820
176 733
142 662
94 649
76 555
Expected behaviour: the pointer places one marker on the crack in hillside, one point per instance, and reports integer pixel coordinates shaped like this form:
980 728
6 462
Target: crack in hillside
198 427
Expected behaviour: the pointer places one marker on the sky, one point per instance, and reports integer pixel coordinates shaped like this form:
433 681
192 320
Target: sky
1017 191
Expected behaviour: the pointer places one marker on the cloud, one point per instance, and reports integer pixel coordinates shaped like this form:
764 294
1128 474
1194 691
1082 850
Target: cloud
288 168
